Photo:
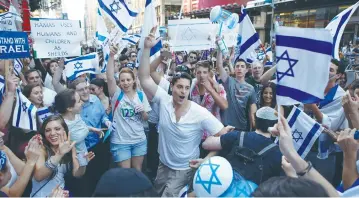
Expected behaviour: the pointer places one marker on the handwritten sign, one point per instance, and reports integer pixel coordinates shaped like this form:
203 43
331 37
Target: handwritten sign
56 38
13 45
7 22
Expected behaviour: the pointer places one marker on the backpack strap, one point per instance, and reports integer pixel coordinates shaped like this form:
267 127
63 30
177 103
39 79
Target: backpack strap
140 95
241 138
118 101
267 148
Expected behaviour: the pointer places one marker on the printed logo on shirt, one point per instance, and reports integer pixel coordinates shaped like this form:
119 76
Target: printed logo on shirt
127 111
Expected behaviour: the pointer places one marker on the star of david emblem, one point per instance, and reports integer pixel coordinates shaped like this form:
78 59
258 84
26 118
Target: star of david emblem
24 107
291 63
45 117
188 34
78 65
213 180
115 7
297 135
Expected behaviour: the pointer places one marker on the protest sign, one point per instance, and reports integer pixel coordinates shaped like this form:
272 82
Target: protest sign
190 34
56 38
7 22
13 45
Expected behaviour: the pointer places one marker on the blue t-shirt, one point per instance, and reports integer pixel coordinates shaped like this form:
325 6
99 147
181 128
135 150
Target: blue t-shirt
272 160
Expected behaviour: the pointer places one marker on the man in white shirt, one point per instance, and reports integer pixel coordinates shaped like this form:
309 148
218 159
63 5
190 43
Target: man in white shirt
33 76
181 125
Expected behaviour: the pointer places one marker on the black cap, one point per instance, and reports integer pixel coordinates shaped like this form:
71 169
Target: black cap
122 182
183 68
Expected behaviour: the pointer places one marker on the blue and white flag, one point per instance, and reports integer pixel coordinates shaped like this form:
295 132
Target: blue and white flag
183 192
119 12
248 39
151 21
102 38
24 113
132 39
303 62
337 26
43 113
305 131
2 88
18 66
83 64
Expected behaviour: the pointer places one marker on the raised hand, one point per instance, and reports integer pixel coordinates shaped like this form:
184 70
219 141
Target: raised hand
347 142
288 168
90 156
151 40
11 83
33 151
285 137
113 50
65 145
350 104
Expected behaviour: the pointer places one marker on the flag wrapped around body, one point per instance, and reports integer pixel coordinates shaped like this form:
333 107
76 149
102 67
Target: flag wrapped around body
81 65
337 26
248 39
18 66
303 61
119 12
305 131
24 113
151 22
102 38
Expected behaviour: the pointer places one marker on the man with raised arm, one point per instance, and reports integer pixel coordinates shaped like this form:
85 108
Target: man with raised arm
181 125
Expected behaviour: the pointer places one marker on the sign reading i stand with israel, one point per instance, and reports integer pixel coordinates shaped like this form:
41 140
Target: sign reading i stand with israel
56 38
305 131
81 65
14 45
303 62
337 26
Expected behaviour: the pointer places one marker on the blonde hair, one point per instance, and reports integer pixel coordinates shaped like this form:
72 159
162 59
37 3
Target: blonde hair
128 71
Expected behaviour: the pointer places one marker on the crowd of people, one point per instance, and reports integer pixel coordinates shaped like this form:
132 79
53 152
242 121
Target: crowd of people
163 119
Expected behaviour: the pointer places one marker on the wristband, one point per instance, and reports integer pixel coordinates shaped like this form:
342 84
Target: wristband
306 170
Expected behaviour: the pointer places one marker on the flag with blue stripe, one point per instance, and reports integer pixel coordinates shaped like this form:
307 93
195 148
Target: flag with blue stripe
102 37
81 65
43 113
183 192
17 67
132 39
2 88
248 39
305 131
24 113
119 12
337 26
151 21
303 59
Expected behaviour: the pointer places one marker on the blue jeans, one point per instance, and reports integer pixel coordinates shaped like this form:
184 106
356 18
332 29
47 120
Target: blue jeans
122 152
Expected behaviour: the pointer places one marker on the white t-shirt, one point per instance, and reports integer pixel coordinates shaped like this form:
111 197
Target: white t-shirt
179 141
48 96
128 125
153 115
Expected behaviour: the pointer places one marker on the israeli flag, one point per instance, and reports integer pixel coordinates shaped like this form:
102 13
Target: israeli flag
305 131
132 39
2 88
303 61
248 39
43 113
337 26
183 192
119 12
18 66
81 65
24 113
102 38
151 21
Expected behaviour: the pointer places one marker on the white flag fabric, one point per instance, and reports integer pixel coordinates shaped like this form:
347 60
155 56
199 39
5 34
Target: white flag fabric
151 21
248 39
303 62
183 192
81 65
43 113
18 66
119 12
132 39
102 38
305 131
337 26
2 88
24 113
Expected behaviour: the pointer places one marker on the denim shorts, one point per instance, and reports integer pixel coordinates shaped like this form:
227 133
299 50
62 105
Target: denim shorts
122 152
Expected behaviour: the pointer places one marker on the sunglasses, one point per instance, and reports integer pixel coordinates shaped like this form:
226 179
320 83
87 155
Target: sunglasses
193 57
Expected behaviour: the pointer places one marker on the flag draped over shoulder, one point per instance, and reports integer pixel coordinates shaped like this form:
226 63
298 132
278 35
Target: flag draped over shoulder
81 65
303 61
24 113
151 21
305 131
119 12
337 26
248 39
102 38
